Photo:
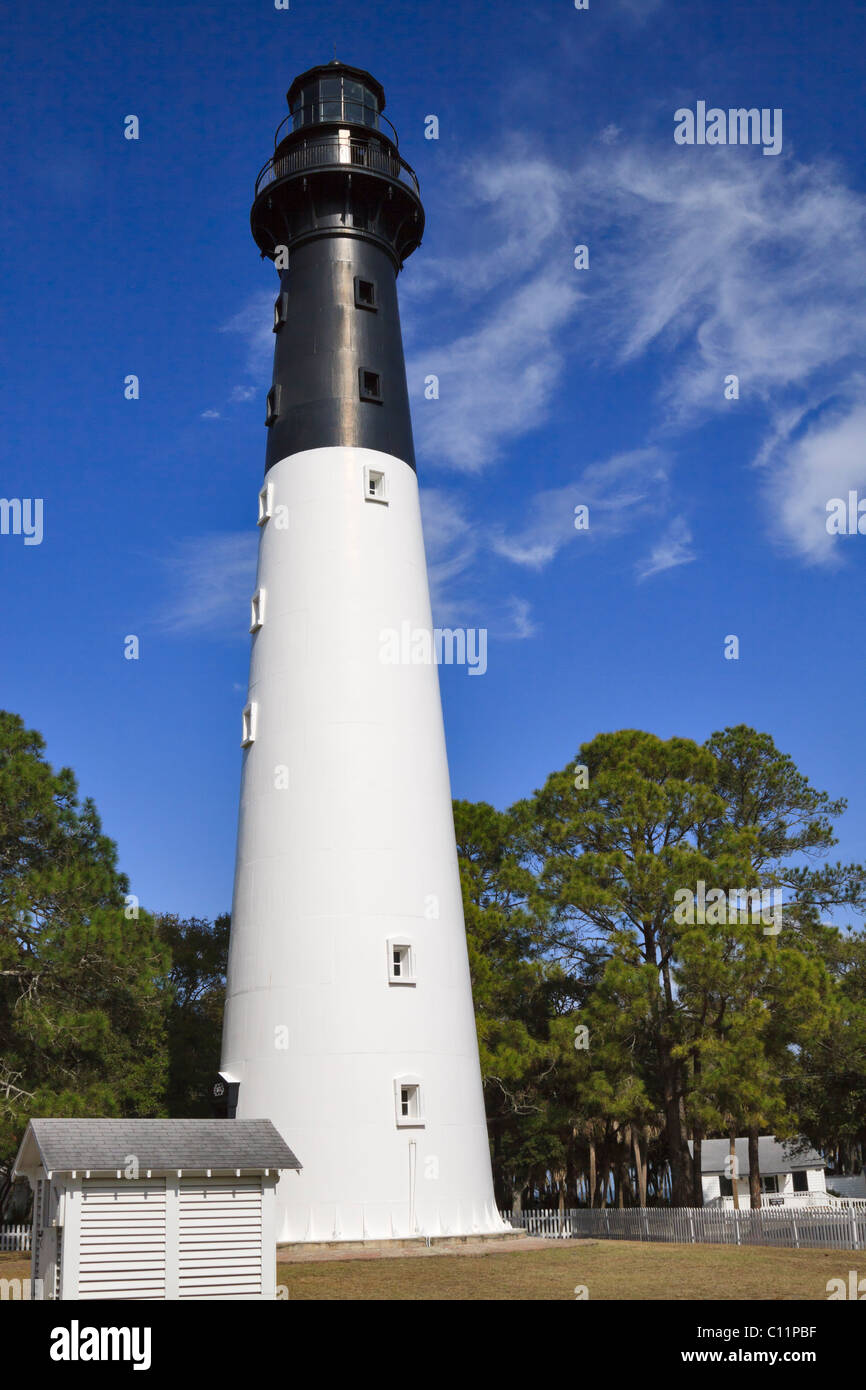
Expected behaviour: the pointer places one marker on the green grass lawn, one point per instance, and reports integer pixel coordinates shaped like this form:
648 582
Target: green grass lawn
608 1269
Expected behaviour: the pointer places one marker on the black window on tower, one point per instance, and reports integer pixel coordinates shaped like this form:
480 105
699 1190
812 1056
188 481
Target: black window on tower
281 311
365 294
370 385
273 407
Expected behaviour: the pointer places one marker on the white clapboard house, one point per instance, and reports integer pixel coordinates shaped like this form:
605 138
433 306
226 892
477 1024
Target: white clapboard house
153 1209
791 1175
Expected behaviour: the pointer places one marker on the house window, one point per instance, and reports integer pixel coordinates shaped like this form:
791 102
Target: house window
266 501
365 294
375 485
726 1186
370 385
401 962
801 1180
281 310
407 1094
770 1183
249 724
257 610
273 409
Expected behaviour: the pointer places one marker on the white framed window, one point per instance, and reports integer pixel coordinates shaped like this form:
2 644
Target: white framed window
375 485
266 503
407 1100
249 724
281 310
273 404
401 961
257 610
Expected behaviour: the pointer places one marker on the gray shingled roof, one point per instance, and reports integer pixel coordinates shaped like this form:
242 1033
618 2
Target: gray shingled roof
773 1157
102 1146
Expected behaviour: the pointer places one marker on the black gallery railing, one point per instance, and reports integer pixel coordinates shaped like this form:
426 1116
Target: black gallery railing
336 152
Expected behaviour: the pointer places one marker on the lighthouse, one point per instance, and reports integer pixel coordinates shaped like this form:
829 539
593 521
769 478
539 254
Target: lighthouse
349 1019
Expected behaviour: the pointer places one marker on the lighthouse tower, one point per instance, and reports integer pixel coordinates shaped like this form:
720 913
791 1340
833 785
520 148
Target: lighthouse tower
349 1019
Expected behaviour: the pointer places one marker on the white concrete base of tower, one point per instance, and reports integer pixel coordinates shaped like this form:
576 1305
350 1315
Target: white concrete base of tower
345 852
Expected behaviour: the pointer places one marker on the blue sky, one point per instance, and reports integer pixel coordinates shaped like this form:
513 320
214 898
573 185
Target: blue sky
558 386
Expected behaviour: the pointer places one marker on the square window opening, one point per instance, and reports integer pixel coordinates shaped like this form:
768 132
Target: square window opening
273 405
408 1102
365 294
265 503
281 310
410 1108
249 725
375 485
401 963
370 385
257 610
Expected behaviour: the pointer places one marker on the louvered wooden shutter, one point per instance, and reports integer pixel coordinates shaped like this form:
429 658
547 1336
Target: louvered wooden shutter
122 1237
220 1228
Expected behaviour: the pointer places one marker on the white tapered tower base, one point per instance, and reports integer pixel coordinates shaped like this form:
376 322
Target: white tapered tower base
345 851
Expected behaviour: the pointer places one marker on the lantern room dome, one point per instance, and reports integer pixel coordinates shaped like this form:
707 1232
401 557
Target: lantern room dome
335 92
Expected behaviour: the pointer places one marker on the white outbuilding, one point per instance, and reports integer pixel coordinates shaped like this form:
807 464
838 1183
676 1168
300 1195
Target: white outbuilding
153 1209
792 1173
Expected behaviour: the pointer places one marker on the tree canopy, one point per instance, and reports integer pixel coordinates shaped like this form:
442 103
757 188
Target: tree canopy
648 941
674 894
82 1027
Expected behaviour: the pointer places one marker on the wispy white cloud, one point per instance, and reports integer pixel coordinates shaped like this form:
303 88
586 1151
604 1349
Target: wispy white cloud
620 492
497 382
514 282
759 266
211 415
253 324
522 624
507 212
730 265
456 548
674 548
451 542
807 468
212 577
753 271
708 266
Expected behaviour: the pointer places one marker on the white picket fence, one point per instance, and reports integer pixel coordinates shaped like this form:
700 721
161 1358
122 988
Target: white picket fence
15 1237
827 1228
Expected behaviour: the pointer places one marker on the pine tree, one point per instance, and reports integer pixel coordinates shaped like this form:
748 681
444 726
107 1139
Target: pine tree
81 1020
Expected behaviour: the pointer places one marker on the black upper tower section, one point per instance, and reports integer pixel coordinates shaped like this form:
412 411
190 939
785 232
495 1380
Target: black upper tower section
337 194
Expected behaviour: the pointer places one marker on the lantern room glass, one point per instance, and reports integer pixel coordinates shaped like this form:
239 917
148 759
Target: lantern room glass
335 98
